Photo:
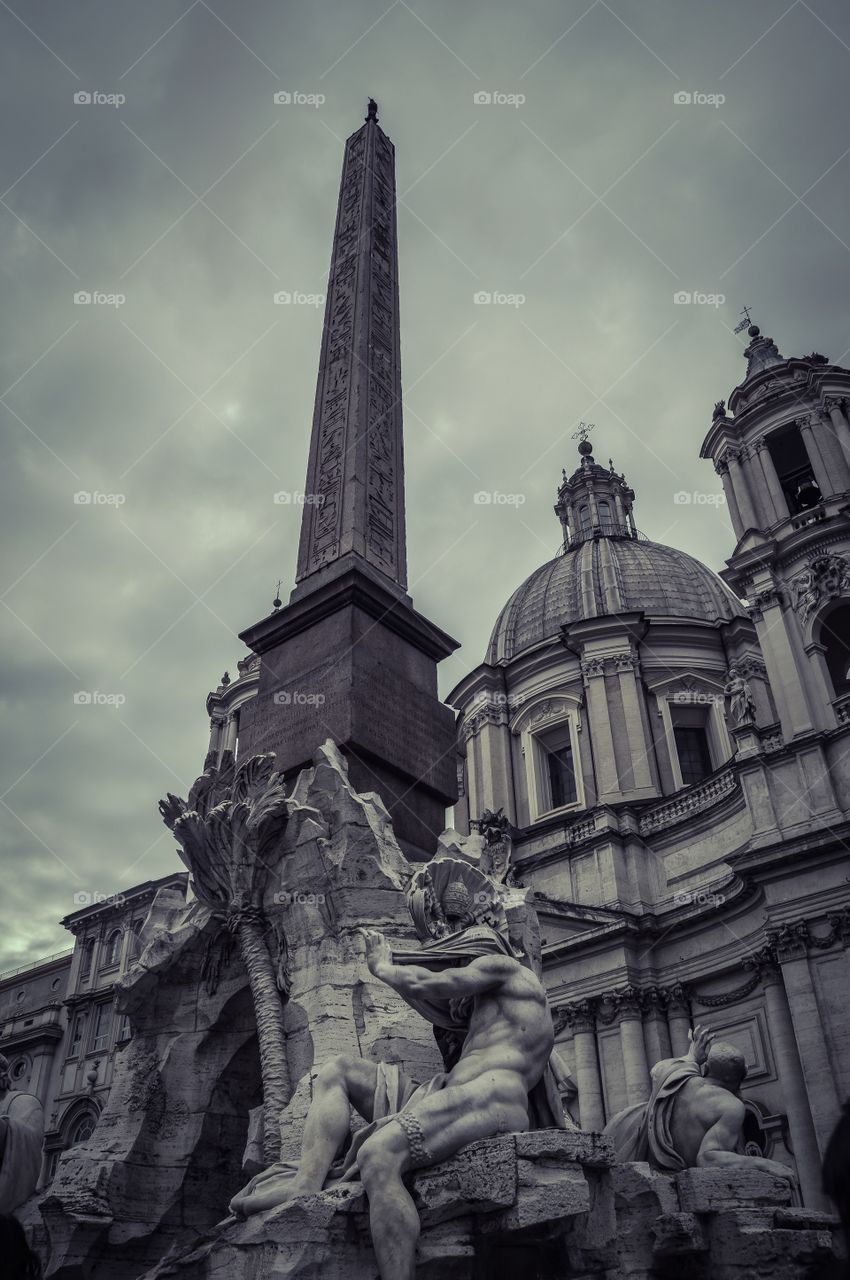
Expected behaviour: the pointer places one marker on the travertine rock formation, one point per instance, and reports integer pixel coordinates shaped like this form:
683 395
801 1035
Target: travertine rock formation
547 1205
168 1150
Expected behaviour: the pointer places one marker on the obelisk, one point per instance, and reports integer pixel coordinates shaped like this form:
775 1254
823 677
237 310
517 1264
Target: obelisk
349 657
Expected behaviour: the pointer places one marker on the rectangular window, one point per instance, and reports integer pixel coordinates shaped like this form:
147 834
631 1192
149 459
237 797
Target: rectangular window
555 769
562 778
693 753
77 1037
102 1027
693 747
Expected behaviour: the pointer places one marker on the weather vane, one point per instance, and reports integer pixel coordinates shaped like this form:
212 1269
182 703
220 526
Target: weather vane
584 430
746 322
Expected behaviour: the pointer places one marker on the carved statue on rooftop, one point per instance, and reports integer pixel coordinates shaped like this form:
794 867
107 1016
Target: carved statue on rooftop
825 578
497 854
694 1117
742 707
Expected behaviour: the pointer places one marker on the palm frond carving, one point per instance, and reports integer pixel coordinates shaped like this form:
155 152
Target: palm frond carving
228 832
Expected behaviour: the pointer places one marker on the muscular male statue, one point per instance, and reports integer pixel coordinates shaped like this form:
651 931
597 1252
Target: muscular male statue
693 1119
504 1056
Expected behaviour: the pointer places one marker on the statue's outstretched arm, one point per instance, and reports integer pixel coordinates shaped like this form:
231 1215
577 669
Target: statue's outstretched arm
414 981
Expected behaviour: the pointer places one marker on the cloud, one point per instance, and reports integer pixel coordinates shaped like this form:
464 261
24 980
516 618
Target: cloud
105 398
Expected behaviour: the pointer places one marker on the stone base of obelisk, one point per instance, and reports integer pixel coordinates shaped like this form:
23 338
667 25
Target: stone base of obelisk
352 660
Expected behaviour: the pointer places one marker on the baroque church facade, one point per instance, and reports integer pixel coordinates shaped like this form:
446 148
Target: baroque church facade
671 748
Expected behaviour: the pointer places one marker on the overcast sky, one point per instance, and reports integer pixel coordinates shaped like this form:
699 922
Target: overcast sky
592 202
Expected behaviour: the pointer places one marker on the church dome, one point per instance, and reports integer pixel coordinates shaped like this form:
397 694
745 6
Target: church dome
604 575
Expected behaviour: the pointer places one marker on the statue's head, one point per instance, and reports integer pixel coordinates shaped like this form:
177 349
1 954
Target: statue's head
5 1078
726 1065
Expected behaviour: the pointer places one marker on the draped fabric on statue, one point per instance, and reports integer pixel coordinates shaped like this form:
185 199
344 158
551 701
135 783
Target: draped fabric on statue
544 1101
394 1091
643 1131
21 1163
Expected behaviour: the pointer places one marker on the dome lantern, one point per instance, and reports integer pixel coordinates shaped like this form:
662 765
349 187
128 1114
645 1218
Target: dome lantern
594 502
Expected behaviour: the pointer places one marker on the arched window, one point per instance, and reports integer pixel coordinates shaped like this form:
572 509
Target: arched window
604 509
584 518
835 637
82 1130
113 948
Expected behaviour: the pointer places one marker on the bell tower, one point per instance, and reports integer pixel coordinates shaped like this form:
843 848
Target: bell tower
782 450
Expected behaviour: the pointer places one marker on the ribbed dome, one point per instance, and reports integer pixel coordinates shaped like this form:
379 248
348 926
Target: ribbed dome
603 576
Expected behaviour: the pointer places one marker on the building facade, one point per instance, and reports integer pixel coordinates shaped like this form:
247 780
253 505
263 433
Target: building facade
58 1025
673 753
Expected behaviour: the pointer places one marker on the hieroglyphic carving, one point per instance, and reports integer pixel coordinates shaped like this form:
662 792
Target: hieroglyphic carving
355 478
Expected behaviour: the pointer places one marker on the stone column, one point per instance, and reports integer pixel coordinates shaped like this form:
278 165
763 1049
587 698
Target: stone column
656 1030
773 489
722 469
772 627
635 1066
230 732
741 488
607 780
678 1019
836 408
791 943
581 1017
627 667
812 447
790 1072
217 723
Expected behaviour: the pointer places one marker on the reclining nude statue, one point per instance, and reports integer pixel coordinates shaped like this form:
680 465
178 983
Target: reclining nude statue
694 1117
470 983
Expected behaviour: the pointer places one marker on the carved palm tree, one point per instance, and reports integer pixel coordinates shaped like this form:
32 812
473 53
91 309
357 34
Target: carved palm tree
227 834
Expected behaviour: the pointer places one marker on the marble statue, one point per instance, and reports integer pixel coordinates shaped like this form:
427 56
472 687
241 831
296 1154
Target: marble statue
742 707
694 1117
21 1139
500 1083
